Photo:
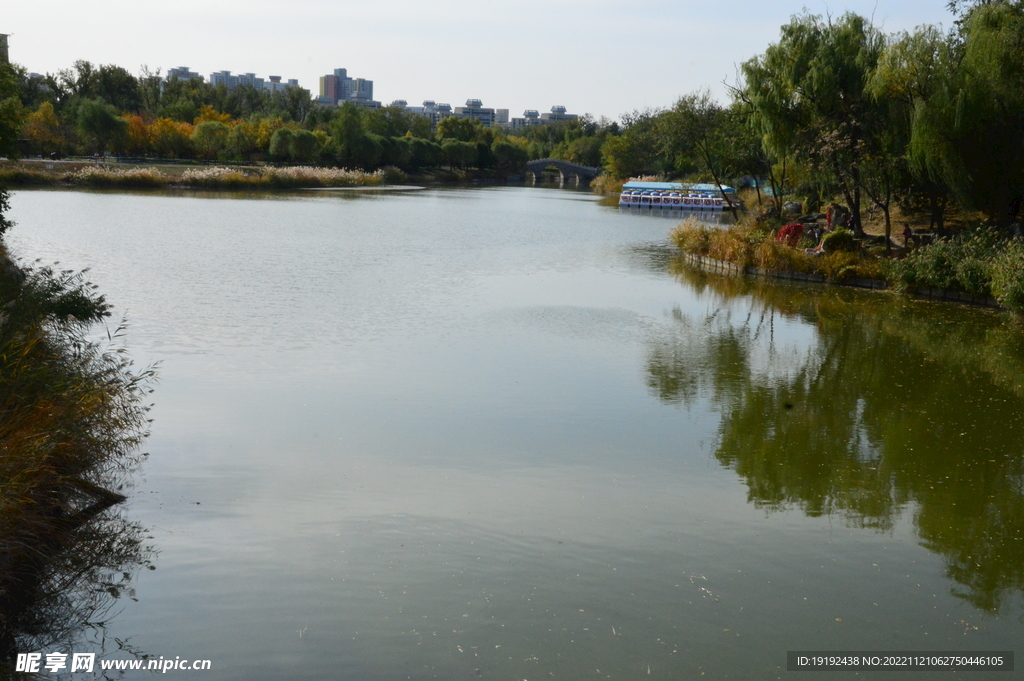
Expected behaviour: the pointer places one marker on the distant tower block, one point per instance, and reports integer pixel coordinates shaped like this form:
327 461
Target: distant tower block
5 58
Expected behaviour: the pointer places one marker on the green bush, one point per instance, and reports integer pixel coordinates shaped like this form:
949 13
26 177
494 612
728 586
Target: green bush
962 264
840 239
1008 276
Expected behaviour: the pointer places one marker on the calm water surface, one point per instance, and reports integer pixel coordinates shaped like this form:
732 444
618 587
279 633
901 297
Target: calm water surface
502 434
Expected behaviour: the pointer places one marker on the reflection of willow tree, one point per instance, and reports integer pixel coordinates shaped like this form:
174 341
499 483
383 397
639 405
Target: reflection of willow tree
71 419
892 402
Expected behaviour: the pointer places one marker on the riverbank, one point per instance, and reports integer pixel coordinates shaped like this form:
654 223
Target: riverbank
206 177
71 173
976 267
73 416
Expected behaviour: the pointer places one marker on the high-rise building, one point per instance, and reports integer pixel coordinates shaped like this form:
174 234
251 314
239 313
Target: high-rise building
250 79
182 73
475 109
271 84
557 114
274 84
337 88
532 117
5 57
224 78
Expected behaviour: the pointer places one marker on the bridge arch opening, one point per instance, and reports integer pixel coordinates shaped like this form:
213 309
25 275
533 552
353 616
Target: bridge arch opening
560 171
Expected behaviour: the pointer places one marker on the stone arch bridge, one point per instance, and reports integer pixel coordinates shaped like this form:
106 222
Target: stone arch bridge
566 169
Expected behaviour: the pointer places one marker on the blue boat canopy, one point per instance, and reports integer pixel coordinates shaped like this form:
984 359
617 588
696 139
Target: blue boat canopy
676 187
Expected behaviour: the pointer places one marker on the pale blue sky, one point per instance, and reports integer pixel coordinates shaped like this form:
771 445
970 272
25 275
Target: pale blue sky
596 56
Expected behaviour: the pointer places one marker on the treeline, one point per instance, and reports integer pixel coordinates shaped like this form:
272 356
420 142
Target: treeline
97 110
837 108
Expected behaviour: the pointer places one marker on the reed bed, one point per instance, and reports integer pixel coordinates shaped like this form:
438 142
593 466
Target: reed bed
72 416
136 178
294 177
215 177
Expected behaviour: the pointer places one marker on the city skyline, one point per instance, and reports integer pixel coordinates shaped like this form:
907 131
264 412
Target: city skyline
594 57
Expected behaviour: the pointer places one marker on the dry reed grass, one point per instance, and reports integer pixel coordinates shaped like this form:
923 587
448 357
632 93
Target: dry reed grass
72 415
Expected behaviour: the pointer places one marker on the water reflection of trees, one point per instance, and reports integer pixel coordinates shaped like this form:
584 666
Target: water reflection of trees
837 402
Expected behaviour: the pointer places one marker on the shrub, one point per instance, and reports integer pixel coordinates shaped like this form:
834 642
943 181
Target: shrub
1008 276
840 239
962 264
393 175
692 236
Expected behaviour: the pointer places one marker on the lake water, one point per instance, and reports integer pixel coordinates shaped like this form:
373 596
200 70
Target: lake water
502 434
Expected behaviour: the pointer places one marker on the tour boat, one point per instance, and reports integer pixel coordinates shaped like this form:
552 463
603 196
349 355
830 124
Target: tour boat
673 196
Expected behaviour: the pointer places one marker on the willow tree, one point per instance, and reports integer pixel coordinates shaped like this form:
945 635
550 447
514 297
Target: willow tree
969 131
808 98
912 71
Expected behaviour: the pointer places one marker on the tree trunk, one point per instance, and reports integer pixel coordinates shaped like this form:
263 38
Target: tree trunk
858 229
843 186
706 152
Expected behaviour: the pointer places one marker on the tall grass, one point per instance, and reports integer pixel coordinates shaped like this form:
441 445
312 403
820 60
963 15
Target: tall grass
72 415
22 176
294 177
216 177
747 245
98 176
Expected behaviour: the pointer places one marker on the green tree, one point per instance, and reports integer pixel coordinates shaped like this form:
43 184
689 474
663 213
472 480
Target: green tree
637 150
242 141
12 114
509 157
461 129
183 110
117 87
281 144
305 146
700 133
210 138
912 72
458 153
396 151
11 117
969 131
425 154
585 151
99 123
808 96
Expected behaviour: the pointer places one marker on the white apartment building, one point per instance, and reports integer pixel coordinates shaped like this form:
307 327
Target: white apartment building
475 109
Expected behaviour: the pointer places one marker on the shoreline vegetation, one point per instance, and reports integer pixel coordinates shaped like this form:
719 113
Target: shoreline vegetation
204 177
975 265
73 418
170 175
